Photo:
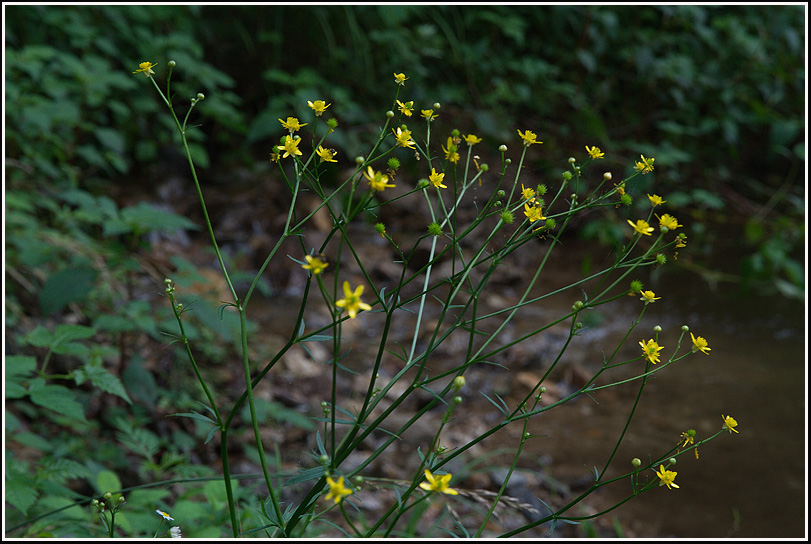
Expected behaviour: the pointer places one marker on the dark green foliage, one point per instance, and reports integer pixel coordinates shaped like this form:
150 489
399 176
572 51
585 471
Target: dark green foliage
715 93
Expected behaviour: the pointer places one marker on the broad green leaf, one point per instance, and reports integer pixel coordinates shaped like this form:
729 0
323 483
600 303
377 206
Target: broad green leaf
66 286
101 379
58 398
107 481
20 493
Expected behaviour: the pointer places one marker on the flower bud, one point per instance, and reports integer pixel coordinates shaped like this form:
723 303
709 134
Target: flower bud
172 64
359 160
389 114
502 148
507 216
607 176
572 160
437 105
657 328
685 328
636 462
200 96
458 382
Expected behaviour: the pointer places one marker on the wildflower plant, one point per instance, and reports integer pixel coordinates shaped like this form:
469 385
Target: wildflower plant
438 298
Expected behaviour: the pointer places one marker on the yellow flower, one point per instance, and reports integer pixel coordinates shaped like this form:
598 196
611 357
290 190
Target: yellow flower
645 166
667 477
669 222
436 179
327 155
620 187
641 227
450 153
729 424
681 240
145 68
529 138
594 152
316 264
292 124
291 146
407 109
403 138
699 344
351 301
656 200
533 213
687 438
400 79
438 483
651 350
337 490
472 139
527 193
648 297
377 180
318 106
428 114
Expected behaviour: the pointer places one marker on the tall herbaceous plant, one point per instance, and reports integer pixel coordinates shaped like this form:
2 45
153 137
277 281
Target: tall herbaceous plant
464 251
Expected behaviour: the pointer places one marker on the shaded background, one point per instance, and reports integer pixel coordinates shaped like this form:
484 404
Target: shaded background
715 93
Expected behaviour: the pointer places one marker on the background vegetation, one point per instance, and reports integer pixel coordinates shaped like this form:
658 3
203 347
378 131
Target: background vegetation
715 93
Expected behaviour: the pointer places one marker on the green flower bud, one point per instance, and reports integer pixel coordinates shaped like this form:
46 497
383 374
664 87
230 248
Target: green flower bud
507 216
458 382
636 462
577 305
685 328
657 328
200 96
359 160
672 461
607 176
572 160
437 105
502 148
172 64
389 114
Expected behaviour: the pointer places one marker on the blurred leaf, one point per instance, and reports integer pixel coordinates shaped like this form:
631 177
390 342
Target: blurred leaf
58 398
101 379
66 286
144 217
